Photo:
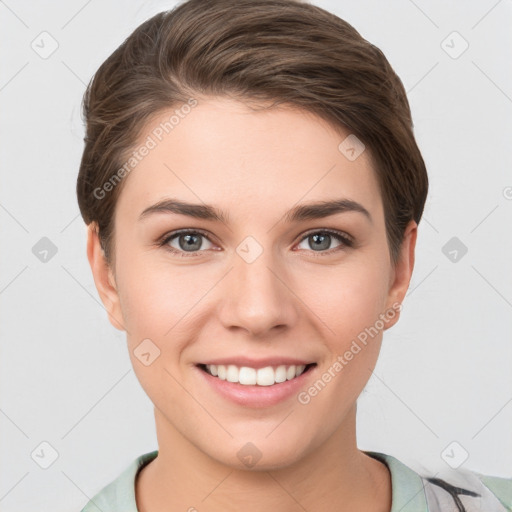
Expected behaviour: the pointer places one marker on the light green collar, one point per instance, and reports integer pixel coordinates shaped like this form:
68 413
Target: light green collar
408 494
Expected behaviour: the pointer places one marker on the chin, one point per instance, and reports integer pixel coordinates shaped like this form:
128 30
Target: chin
260 455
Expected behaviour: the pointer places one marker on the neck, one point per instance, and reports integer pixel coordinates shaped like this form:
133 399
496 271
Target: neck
336 476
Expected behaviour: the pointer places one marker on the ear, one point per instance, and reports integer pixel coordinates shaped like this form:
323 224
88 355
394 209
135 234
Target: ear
402 272
103 278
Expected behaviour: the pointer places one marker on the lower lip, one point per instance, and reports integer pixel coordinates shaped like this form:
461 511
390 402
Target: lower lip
257 396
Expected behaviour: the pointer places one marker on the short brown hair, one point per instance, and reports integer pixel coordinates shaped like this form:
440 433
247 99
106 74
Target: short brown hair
279 51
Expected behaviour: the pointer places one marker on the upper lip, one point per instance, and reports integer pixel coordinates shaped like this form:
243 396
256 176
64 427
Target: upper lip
257 363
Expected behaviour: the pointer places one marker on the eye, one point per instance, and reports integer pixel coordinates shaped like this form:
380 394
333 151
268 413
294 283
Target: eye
191 242
186 241
321 240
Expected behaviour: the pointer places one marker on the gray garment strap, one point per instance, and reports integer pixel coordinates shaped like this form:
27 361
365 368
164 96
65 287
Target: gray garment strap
461 491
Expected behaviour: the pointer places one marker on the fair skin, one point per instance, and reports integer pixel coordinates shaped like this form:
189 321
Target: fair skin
293 300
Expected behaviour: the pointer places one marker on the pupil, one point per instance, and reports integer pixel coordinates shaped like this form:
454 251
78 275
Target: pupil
323 239
191 242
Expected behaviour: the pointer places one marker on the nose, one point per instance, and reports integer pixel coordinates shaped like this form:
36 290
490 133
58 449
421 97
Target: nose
257 297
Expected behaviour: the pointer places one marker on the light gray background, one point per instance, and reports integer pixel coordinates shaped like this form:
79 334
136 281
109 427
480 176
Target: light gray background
444 374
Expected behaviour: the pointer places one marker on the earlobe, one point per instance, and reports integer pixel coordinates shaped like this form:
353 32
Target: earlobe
401 275
103 278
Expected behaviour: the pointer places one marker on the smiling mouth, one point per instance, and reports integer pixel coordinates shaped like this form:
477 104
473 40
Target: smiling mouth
267 376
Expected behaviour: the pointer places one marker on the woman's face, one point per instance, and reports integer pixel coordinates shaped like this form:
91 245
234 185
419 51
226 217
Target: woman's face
258 278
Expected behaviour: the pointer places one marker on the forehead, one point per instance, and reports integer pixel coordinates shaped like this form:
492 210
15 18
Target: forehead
220 150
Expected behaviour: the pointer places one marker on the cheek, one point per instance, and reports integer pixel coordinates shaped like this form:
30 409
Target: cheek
163 302
348 303
157 305
159 299
348 298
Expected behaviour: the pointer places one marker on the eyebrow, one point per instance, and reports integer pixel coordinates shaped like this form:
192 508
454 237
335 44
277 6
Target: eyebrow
309 211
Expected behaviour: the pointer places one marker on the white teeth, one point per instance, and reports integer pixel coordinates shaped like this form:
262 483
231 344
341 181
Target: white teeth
247 376
232 373
281 373
267 376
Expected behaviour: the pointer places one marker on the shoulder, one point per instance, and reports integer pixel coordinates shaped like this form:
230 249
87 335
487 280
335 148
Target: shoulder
470 489
461 489
500 487
119 494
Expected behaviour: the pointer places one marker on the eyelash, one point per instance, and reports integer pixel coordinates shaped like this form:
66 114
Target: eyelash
346 241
